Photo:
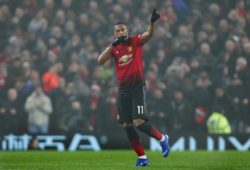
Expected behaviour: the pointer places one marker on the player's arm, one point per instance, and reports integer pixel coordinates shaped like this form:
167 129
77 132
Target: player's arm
148 34
150 31
105 55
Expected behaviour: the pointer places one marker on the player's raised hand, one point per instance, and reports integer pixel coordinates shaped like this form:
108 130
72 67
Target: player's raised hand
155 16
119 40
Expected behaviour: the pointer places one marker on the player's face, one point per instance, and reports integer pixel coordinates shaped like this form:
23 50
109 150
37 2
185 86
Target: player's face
120 30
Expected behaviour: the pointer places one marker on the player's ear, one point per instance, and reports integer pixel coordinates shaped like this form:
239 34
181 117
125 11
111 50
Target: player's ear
114 33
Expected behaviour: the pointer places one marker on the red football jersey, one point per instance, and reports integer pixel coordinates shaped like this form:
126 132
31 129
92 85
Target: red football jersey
128 62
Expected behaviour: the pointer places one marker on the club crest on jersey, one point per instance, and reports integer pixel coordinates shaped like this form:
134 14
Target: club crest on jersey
130 48
125 58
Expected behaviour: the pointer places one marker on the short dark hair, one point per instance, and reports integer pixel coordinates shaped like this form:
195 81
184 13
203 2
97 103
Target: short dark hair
120 23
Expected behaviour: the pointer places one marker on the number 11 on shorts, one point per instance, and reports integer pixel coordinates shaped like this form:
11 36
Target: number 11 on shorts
140 109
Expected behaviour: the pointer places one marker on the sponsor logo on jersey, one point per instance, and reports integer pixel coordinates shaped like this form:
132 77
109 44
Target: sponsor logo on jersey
125 58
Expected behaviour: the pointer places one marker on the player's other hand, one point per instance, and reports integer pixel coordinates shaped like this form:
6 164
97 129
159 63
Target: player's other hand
155 16
119 40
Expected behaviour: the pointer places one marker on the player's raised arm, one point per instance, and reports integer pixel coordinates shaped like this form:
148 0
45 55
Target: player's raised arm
148 34
105 55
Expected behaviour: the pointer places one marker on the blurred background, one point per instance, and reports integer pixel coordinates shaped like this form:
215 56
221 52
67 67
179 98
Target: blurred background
196 65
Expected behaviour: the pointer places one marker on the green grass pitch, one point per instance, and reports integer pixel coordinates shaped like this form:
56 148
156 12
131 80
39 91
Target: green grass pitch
123 159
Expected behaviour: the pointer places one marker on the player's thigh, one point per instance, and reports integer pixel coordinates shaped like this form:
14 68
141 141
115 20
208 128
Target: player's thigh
140 102
125 109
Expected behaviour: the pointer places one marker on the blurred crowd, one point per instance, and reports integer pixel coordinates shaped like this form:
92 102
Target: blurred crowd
196 63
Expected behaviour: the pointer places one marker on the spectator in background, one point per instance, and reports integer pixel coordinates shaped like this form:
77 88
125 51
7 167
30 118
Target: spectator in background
200 116
223 31
228 55
3 79
4 25
182 9
177 75
222 101
240 89
10 112
62 104
32 80
19 86
180 111
39 107
74 45
183 43
72 67
218 124
200 99
94 111
51 79
246 51
75 119
205 57
215 13
80 88
158 110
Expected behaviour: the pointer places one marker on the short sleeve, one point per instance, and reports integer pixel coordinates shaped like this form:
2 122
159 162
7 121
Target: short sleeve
137 40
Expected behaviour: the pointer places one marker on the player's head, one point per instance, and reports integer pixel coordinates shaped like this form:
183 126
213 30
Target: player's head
120 29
